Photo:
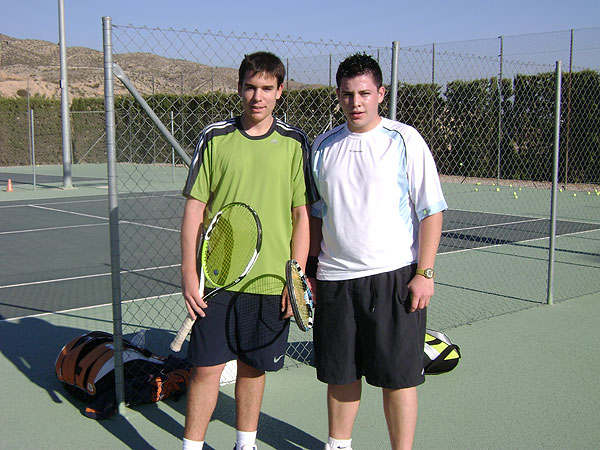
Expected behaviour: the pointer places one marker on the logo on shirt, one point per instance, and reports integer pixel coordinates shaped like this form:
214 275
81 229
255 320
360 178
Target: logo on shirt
274 141
355 151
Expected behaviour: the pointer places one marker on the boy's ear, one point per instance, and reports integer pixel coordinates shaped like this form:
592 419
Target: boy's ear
381 94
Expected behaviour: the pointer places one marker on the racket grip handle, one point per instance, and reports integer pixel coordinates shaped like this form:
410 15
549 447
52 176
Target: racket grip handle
184 330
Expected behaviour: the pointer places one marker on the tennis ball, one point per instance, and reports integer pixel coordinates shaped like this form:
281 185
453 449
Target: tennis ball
476 190
515 194
589 193
479 183
560 189
519 188
516 197
510 185
497 189
574 194
460 164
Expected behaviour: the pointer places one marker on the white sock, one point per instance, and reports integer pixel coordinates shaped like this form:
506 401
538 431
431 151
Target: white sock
188 444
338 443
245 438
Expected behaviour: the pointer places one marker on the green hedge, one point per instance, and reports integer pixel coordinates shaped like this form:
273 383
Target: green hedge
465 125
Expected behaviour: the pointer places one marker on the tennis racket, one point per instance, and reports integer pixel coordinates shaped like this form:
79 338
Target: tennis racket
228 251
300 295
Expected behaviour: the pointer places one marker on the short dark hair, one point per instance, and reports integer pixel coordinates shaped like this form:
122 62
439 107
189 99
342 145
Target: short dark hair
359 64
262 62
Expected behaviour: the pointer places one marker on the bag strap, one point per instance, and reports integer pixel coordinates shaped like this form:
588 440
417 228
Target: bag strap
90 386
61 357
84 366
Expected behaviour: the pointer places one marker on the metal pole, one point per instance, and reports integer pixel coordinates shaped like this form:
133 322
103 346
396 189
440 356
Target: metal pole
64 99
330 70
113 210
32 138
555 156
432 122
31 150
172 151
118 72
500 108
566 180
394 81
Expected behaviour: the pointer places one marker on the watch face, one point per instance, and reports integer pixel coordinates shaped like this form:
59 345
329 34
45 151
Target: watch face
428 273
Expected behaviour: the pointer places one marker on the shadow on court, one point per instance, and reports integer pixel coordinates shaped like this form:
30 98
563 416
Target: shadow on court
31 345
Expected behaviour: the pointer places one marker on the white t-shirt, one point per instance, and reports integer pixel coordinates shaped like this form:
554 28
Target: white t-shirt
375 188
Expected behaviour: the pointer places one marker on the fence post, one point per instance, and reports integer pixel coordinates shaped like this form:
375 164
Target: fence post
500 108
568 124
120 74
32 140
172 150
432 117
113 210
330 70
394 81
555 155
64 99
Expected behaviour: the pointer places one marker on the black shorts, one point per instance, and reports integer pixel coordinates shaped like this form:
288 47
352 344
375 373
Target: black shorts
240 326
364 327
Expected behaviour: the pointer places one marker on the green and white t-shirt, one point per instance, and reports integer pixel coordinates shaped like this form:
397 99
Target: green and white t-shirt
270 173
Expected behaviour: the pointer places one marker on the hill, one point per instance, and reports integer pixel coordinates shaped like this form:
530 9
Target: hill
35 64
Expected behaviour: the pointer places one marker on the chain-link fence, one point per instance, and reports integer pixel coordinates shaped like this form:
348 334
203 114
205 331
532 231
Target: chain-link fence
202 89
485 107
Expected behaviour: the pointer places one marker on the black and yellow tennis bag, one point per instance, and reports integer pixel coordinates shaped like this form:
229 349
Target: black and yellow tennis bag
85 367
441 355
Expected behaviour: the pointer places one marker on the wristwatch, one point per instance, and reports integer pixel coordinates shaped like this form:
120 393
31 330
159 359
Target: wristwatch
427 273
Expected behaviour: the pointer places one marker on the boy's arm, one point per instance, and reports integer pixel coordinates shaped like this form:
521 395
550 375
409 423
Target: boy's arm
299 248
191 233
421 288
300 234
316 235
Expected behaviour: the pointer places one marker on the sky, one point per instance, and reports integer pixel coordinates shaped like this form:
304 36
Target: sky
353 21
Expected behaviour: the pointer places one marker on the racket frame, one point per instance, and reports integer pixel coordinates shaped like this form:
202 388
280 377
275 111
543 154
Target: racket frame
292 266
188 322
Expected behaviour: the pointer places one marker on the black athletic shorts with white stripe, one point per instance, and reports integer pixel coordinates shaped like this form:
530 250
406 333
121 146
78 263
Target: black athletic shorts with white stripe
364 327
240 326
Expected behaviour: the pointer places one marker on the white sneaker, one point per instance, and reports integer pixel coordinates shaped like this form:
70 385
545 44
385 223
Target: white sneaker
328 447
246 447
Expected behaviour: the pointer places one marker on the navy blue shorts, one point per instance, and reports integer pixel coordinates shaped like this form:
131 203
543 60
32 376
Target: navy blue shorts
240 326
364 327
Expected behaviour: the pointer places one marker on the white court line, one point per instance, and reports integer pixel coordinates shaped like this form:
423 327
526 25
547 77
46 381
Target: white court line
145 225
561 219
69 212
83 308
53 228
493 225
63 202
83 277
175 230
102 199
514 243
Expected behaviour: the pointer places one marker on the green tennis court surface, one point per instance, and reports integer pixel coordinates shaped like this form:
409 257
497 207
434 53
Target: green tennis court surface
526 380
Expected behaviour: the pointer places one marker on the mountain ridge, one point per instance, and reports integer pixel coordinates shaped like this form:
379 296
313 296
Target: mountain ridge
34 65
